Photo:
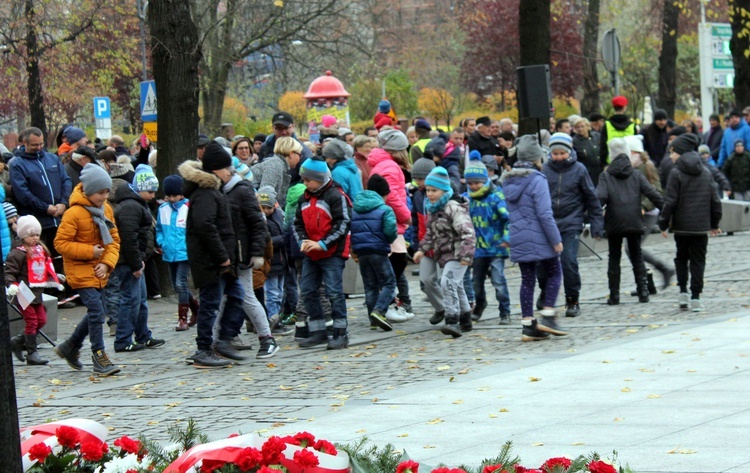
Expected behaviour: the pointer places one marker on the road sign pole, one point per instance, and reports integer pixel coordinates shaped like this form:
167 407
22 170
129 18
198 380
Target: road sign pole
704 48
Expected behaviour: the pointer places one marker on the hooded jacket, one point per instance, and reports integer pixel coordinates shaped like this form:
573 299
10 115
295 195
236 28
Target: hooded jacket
655 142
573 194
171 220
210 231
275 225
346 173
450 233
324 216
383 164
489 214
373 225
249 222
620 189
691 201
737 170
76 238
136 226
731 134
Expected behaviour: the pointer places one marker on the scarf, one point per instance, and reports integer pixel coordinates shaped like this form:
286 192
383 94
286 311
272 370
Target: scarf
40 268
482 192
97 215
438 206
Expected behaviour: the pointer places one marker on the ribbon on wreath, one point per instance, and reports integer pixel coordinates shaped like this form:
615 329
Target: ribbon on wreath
88 431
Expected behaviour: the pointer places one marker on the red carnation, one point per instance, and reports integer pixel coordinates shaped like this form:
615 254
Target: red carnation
273 450
305 458
554 462
494 469
209 466
94 451
445 469
326 447
408 466
599 466
67 436
128 445
39 452
269 469
249 458
305 439
520 469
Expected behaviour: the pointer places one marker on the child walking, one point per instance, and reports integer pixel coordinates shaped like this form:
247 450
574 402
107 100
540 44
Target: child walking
535 240
30 263
89 243
450 235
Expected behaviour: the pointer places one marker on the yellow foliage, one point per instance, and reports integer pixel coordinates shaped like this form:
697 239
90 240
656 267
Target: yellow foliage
234 111
436 103
295 104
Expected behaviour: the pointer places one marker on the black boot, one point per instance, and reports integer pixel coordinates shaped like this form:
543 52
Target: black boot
613 277
451 326
316 338
572 309
17 345
651 285
643 292
32 355
540 301
464 322
339 340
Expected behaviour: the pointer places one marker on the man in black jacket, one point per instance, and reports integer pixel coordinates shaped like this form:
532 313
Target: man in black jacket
482 139
685 213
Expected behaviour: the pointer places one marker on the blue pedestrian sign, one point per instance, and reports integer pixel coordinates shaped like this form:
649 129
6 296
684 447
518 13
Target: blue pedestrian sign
102 108
148 101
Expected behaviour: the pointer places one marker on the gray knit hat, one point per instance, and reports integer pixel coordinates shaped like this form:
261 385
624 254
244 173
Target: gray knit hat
94 179
421 168
392 140
335 149
267 196
528 149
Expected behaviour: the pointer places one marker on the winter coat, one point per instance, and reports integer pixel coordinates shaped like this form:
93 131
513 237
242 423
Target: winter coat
17 270
38 181
274 172
419 214
486 145
292 201
621 125
5 237
731 134
373 225
489 214
383 164
76 238
691 203
74 172
620 189
136 226
324 216
720 179
533 232
451 161
572 194
346 173
587 152
249 222
450 233
275 225
655 142
171 221
210 231
737 170
712 138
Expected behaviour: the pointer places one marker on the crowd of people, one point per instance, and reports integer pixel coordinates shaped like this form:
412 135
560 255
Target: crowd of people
264 227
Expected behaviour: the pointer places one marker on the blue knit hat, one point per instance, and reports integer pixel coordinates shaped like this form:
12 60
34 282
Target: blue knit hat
74 135
561 141
475 155
173 185
315 169
476 170
144 179
439 179
384 106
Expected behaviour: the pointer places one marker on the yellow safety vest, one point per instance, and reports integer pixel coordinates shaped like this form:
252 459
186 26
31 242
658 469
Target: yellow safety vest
613 133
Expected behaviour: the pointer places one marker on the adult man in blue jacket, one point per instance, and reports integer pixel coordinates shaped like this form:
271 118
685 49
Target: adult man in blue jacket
738 129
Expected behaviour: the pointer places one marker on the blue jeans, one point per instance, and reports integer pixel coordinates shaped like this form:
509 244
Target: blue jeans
91 324
210 302
133 314
569 261
274 287
379 280
290 289
178 273
328 271
469 285
111 295
495 266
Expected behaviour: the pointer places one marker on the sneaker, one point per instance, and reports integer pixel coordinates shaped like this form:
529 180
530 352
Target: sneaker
67 305
238 344
154 343
281 330
530 332
378 320
225 349
437 317
69 353
572 308
478 311
696 305
451 329
209 359
156 296
406 306
102 365
112 330
683 300
505 319
289 319
301 331
404 313
131 347
548 323
268 348
315 339
394 315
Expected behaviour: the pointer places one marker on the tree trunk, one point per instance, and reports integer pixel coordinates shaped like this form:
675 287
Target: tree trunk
667 98
176 55
218 65
590 101
738 45
534 37
34 79
10 447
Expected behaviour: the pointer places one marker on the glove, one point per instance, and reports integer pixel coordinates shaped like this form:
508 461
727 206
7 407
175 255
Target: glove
257 262
12 290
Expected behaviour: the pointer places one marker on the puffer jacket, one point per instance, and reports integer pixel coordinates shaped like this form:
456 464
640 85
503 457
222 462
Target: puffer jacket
273 171
620 189
533 232
573 194
346 173
419 215
249 222
731 134
383 164
76 238
210 231
737 170
489 214
689 189
324 216
17 270
136 226
373 225
450 233
171 221
290 212
5 232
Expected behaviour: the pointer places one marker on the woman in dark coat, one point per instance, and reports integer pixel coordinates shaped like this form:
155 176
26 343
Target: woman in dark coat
587 148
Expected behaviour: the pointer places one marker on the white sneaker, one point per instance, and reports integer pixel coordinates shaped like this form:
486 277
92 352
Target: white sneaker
684 300
394 315
404 313
696 305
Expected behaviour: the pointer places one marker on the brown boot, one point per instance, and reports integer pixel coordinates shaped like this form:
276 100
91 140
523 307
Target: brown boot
182 320
193 311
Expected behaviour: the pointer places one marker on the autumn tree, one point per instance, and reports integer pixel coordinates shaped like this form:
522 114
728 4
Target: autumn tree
367 92
740 47
437 104
295 104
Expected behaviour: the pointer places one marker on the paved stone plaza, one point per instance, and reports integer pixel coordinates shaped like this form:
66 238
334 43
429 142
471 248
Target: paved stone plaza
663 387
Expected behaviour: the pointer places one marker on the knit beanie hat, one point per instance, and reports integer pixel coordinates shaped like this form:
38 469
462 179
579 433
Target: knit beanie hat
10 210
476 170
635 143
474 154
27 225
739 141
392 140
335 149
490 162
618 146
703 149
267 196
173 185
315 169
94 179
215 157
422 124
660 114
379 185
384 106
528 149
439 179
74 134
328 121
421 168
145 180
561 141
685 143
435 148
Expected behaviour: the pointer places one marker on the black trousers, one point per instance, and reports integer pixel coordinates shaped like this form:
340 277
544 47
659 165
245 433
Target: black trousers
691 259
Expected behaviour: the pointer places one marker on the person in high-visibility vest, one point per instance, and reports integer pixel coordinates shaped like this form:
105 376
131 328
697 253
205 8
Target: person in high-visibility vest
618 126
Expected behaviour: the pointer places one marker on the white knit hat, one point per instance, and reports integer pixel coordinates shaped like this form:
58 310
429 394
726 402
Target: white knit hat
27 225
